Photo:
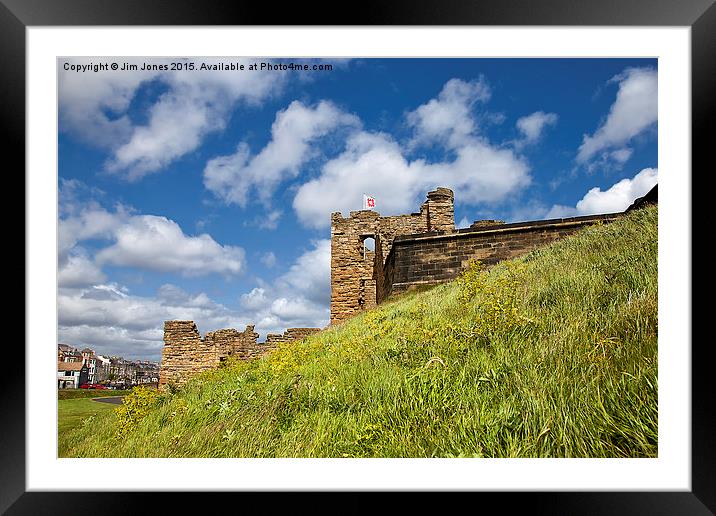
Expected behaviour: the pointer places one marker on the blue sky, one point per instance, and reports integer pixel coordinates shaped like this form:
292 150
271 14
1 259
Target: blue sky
207 195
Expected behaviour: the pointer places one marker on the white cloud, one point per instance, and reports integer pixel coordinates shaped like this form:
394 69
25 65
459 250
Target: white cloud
464 223
310 275
115 340
178 123
93 106
531 126
617 198
156 243
300 297
296 311
621 156
269 259
270 220
196 103
92 222
448 119
171 295
609 160
633 111
232 178
255 299
145 241
77 270
375 163
111 321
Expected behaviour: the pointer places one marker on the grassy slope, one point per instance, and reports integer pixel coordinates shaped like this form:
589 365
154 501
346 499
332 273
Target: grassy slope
555 356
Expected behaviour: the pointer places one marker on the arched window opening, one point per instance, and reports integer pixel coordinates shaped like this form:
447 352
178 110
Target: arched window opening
368 247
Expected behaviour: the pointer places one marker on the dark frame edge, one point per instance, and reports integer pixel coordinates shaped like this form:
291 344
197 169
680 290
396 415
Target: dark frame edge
703 90
702 498
12 133
370 12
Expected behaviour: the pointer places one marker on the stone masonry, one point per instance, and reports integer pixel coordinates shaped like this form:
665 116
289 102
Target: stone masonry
424 248
186 354
292 334
430 259
356 272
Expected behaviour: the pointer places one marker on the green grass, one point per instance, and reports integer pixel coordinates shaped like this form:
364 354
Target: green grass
72 394
550 355
72 413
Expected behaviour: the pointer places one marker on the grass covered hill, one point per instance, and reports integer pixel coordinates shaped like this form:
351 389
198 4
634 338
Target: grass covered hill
550 355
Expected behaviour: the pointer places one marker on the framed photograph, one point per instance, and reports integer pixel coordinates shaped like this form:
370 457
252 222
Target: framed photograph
193 169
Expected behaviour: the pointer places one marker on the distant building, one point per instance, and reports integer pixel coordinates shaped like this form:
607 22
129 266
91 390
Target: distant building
102 367
70 375
89 360
99 369
146 372
66 353
62 349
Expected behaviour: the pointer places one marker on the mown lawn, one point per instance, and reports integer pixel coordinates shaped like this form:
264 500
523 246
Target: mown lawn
72 413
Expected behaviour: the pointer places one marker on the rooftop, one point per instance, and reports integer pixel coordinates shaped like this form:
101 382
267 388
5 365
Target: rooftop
69 366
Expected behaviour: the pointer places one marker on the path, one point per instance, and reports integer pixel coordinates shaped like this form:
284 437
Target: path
115 400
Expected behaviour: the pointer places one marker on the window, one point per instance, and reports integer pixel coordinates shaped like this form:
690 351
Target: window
367 246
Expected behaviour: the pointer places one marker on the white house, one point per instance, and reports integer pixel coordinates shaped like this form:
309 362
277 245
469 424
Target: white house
69 375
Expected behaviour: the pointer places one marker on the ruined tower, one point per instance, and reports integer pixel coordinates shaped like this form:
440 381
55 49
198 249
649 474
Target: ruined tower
356 270
186 353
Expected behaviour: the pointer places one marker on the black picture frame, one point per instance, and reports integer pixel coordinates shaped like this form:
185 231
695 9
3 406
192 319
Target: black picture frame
700 15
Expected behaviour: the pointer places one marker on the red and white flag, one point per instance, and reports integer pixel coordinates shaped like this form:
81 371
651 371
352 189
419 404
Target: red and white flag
368 202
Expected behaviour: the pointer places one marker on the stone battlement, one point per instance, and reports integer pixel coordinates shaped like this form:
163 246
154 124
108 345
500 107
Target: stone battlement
357 270
373 257
430 258
292 334
424 248
186 354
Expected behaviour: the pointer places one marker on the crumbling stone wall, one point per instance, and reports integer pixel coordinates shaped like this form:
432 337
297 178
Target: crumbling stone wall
357 274
429 259
290 335
186 354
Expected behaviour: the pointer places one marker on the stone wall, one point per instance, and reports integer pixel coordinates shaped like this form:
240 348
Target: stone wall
441 210
356 273
436 258
290 335
186 354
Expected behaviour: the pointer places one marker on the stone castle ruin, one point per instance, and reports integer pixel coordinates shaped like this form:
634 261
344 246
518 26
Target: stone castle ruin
407 251
187 354
424 248
357 272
